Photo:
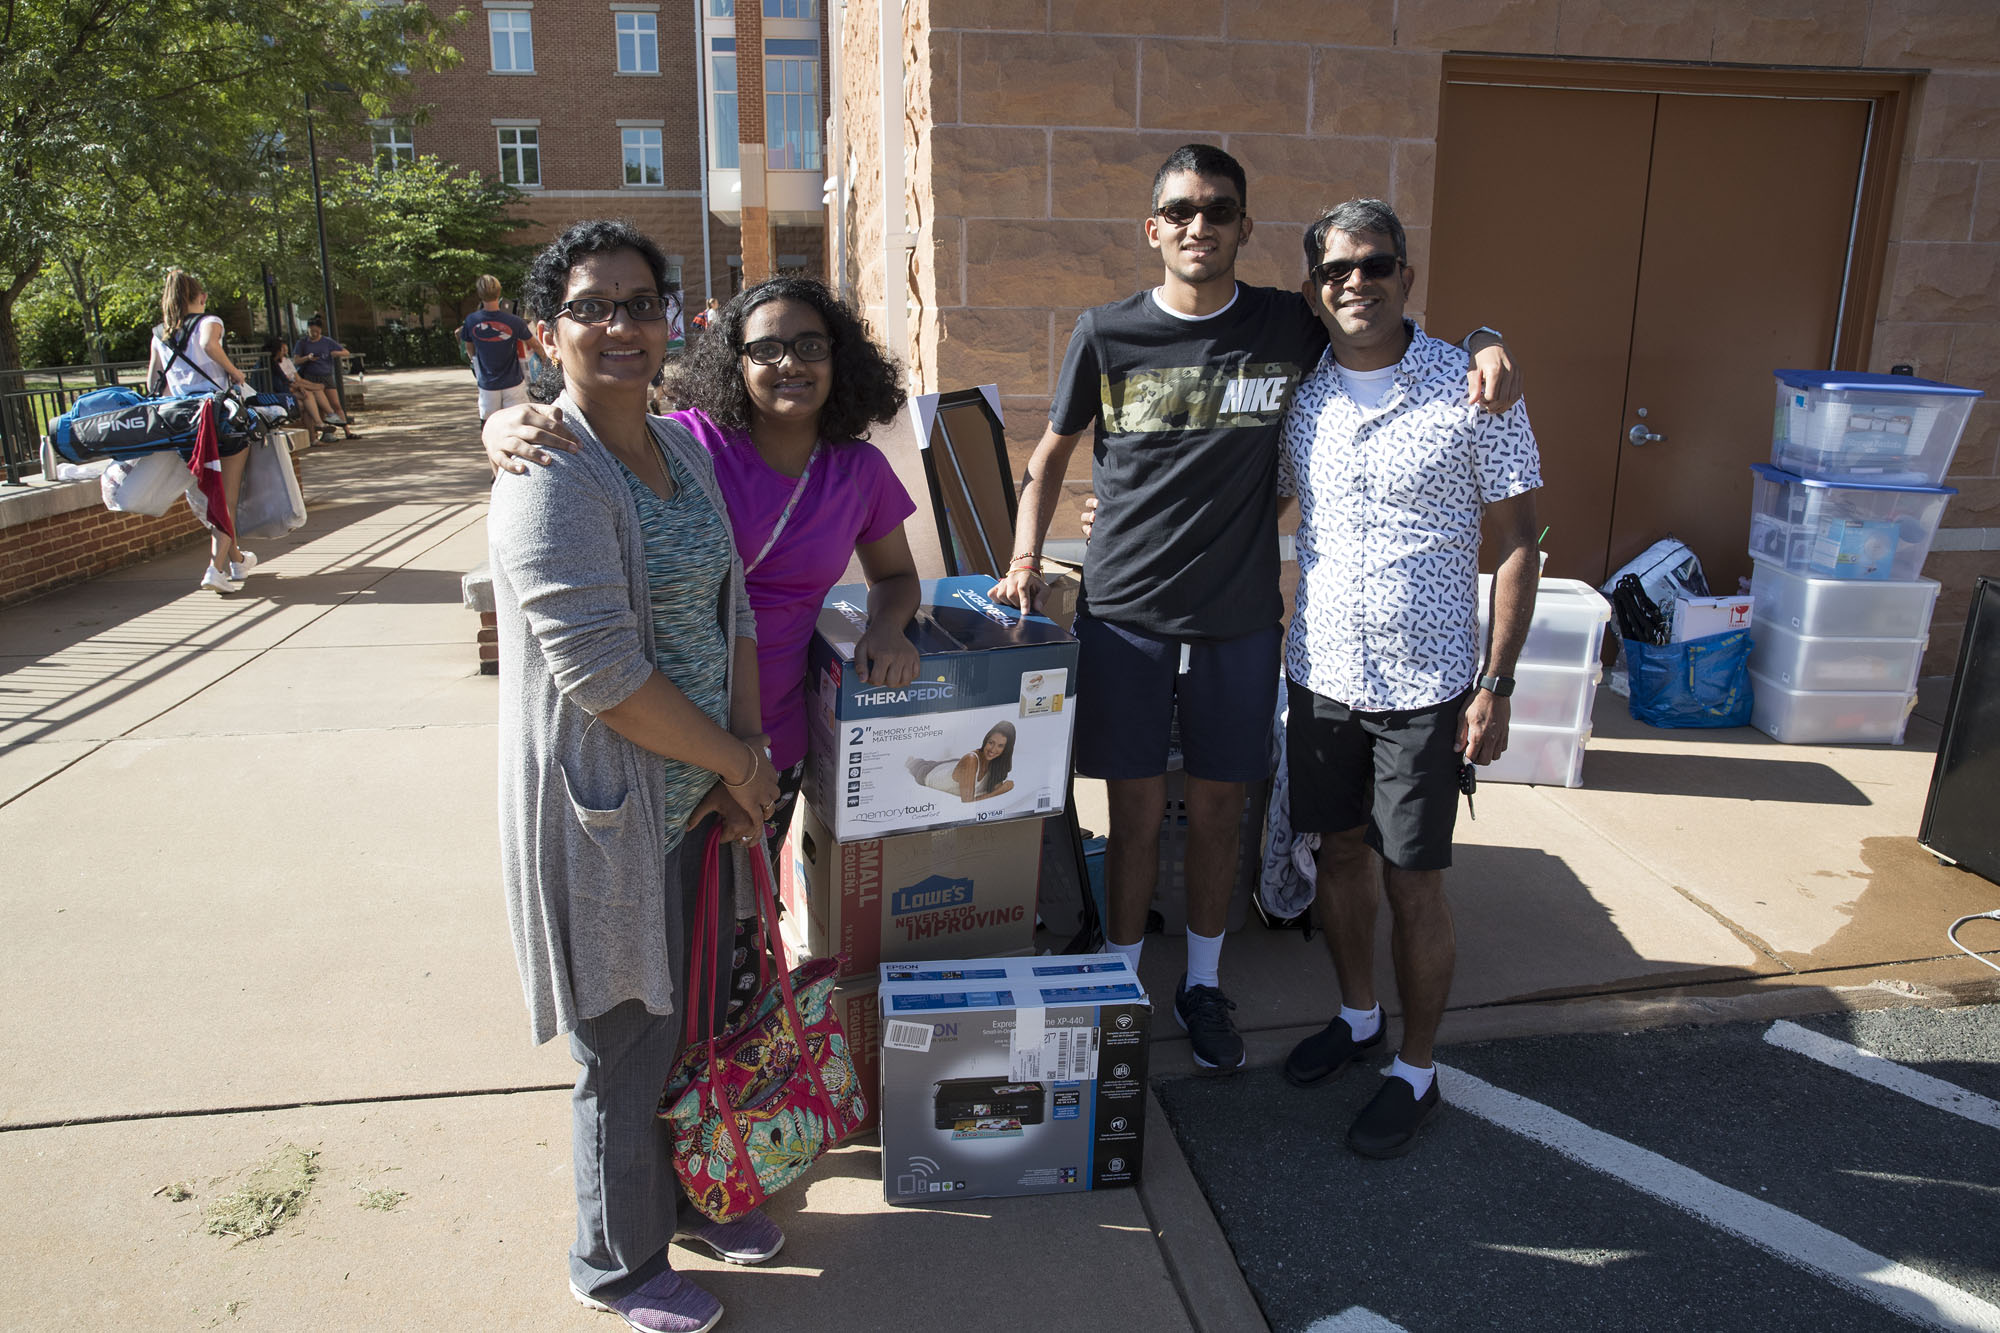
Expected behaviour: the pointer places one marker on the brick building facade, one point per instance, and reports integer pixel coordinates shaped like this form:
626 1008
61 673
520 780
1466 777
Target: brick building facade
594 109
1031 129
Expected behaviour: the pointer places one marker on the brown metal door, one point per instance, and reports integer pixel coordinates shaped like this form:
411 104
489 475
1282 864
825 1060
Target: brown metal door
1653 250
1541 208
1747 225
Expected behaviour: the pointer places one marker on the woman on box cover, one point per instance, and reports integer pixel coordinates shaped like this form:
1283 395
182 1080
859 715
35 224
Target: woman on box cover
975 775
781 390
629 722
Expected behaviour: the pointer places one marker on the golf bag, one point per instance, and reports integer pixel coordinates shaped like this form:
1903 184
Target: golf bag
118 423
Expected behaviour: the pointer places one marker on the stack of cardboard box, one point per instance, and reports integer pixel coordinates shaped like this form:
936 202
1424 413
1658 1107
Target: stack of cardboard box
905 850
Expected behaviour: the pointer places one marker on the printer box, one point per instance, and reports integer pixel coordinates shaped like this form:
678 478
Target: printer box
1011 1076
980 736
959 892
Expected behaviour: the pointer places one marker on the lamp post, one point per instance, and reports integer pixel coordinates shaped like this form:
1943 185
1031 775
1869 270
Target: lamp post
325 269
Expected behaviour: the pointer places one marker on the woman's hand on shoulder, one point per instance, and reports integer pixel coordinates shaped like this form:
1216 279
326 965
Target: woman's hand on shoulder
886 657
513 437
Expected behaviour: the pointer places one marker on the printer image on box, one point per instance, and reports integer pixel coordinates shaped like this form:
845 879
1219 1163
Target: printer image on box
962 1099
981 735
1004 1076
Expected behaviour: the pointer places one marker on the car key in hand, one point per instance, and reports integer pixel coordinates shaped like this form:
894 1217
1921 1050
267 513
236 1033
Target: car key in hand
1468 782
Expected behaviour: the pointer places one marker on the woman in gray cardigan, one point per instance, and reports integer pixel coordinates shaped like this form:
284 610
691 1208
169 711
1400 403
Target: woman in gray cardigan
628 722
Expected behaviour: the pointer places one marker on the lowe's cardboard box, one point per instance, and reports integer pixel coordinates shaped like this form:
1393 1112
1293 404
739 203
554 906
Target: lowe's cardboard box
1011 1076
981 735
957 893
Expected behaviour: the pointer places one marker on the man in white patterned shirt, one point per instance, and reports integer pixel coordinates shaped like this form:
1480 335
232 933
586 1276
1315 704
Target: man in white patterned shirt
1393 471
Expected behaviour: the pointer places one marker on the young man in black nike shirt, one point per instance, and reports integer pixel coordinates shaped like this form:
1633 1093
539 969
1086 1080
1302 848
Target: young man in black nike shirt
1183 388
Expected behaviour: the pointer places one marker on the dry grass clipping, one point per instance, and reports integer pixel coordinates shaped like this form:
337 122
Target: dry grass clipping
385 1200
277 1189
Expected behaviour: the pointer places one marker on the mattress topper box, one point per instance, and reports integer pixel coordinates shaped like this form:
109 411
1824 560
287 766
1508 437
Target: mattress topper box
912 895
981 735
1011 1076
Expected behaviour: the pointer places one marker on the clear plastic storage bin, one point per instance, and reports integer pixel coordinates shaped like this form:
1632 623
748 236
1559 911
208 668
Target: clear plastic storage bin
1842 608
1546 756
1802 662
1554 696
1829 717
1840 424
1568 626
1843 530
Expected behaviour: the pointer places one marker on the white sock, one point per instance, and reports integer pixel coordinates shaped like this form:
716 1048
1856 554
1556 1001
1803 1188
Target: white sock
1204 959
1418 1079
1363 1023
1129 952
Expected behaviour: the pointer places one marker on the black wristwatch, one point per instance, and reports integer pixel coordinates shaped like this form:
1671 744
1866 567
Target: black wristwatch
1500 686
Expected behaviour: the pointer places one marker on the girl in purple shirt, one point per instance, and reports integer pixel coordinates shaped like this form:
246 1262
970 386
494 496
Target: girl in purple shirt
781 390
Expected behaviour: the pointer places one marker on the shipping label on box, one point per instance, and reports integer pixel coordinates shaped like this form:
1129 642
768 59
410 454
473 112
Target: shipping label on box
957 892
980 736
1699 617
1011 1076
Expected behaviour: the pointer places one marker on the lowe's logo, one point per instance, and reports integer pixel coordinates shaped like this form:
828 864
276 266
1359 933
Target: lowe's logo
931 895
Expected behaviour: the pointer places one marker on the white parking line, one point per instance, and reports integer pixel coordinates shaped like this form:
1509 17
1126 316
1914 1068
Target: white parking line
1355 1319
1886 1073
1792 1238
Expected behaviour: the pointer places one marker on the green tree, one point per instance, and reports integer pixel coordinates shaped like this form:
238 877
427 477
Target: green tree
418 236
112 109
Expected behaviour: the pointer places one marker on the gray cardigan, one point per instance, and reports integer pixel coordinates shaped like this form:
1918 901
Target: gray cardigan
582 849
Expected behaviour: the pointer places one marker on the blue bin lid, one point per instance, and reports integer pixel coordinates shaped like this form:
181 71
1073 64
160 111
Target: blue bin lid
1779 475
1869 382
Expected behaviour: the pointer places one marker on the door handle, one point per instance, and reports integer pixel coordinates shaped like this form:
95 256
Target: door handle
1639 435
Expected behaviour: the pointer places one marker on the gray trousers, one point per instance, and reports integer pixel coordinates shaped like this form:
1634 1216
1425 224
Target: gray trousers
627 1196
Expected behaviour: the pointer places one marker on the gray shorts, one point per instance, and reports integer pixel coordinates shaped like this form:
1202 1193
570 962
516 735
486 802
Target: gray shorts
1395 772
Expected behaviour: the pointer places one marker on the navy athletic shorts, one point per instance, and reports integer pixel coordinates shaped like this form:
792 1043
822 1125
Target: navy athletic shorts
1129 690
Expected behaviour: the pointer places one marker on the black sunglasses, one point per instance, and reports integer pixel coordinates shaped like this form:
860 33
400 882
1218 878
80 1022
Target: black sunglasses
806 347
1180 213
1373 267
601 310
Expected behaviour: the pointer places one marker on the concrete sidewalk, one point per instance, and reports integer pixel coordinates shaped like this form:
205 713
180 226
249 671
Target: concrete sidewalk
250 900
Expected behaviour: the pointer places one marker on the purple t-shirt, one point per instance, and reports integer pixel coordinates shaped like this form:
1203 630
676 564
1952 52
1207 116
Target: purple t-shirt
852 498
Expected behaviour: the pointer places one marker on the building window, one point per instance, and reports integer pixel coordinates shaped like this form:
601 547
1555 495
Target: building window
393 146
642 158
723 82
791 9
638 44
521 156
513 40
791 105
722 9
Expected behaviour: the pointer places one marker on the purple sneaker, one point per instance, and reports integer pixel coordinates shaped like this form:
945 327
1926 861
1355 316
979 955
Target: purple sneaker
750 1239
668 1303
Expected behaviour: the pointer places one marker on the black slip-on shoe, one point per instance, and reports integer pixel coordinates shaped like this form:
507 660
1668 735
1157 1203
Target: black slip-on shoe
1327 1052
1388 1125
1203 1013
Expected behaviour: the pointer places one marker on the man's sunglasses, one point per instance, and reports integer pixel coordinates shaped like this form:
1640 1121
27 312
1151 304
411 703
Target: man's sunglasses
598 310
806 347
1373 267
1221 213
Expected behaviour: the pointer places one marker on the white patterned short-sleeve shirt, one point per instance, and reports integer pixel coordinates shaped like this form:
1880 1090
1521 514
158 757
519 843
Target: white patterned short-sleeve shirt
1388 541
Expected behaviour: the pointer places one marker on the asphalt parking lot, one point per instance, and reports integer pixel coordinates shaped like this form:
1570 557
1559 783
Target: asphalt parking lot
1712 1178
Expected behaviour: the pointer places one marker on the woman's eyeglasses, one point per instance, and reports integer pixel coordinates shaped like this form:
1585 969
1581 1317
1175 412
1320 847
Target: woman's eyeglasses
1180 213
1373 267
806 347
600 310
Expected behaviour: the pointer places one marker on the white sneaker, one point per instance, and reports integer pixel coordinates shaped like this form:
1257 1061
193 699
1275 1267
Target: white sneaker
240 569
216 581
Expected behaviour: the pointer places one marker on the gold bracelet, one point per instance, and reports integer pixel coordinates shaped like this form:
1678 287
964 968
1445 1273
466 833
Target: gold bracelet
748 778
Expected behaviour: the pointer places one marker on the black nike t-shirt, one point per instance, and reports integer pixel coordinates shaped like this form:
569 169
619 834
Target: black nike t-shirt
1185 456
